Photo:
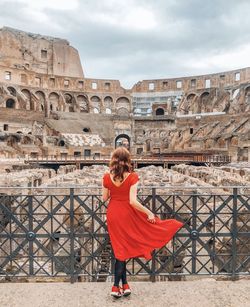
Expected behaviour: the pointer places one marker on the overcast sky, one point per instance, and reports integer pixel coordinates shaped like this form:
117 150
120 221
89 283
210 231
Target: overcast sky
132 40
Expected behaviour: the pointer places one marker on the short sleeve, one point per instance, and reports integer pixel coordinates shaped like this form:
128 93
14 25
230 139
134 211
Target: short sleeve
105 181
134 179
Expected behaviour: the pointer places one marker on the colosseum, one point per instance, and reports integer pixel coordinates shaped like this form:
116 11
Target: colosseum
48 107
51 112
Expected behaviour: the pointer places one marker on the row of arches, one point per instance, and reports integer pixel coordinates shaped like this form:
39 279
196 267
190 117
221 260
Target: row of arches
68 102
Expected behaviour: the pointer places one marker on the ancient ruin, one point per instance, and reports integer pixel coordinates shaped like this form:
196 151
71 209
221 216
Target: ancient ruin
49 109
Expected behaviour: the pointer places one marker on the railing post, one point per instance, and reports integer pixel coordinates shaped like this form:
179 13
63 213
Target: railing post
234 233
72 258
153 253
30 235
193 233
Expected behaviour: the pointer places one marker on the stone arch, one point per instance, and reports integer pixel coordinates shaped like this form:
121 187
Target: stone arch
122 140
203 102
30 105
95 99
96 103
204 97
69 101
190 97
54 101
12 91
41 101
108 100
123 103
10 103
83 103
159 111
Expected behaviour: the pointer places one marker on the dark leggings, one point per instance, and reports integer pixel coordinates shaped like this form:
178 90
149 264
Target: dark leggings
120 272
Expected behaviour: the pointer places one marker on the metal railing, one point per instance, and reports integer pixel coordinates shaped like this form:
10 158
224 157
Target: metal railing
50 233
137 158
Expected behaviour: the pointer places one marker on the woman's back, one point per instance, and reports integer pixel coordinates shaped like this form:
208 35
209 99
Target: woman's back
121 192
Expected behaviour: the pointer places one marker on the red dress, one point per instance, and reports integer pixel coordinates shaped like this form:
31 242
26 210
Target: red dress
130 233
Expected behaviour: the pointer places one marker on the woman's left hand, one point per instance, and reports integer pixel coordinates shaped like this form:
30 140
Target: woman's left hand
151 218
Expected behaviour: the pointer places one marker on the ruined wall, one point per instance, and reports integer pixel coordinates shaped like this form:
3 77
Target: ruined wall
43 93
39 54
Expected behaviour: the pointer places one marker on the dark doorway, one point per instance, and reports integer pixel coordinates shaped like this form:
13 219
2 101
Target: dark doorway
10 103
159 111
122 140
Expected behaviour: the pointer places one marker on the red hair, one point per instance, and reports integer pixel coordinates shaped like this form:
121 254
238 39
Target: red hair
120 163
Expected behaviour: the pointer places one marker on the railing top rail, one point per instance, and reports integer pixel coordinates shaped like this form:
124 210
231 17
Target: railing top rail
78 186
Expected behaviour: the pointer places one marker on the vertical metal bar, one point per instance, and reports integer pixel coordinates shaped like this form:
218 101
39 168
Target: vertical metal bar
214 230
31 261
194 225
71 234
234 232
152 277
52 231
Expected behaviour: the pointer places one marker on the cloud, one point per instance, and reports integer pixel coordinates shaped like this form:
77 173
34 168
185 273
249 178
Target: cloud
142 39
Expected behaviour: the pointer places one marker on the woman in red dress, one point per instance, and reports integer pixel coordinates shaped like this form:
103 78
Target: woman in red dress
134 230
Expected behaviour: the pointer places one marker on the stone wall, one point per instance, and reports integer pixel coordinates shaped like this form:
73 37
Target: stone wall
43 92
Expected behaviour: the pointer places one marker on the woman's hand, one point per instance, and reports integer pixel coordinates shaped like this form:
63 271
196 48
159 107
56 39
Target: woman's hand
151 218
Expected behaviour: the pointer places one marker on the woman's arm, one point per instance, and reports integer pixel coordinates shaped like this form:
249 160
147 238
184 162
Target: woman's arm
136 204
105 193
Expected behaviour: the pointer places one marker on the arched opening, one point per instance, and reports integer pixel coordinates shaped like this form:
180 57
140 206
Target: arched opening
108 100
54 101
12 91
95 99
68 98
41 100
204 97
69 101
122 140
108 111
61 143
10 103
122 104
29 101
83 103
190 97
96 103
159 111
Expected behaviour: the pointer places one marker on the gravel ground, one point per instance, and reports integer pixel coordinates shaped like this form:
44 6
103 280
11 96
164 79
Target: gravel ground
202 293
